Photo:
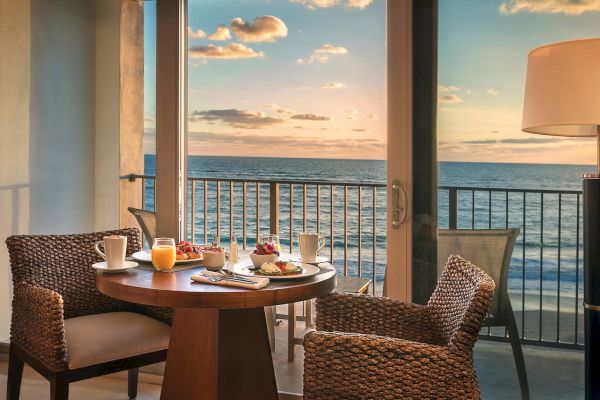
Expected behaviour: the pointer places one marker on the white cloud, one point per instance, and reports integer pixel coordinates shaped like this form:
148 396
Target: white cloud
492 92
264 29
448 88
314 4
323 54
334 85
568 7
311 117
278 109
199 34
245 119
222 33
232 51
450 99
359 3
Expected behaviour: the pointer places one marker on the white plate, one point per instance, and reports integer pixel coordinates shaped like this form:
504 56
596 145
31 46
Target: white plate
320 259
146 256
307 271
101 266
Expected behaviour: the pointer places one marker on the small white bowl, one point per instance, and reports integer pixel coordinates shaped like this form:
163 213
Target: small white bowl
260 259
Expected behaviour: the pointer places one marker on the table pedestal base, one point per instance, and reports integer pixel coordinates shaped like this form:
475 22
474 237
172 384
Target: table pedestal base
219 354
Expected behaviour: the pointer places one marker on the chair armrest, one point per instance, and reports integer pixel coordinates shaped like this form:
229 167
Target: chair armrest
345 312
38 324
356 366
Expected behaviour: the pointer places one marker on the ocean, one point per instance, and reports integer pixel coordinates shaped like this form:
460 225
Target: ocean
544 262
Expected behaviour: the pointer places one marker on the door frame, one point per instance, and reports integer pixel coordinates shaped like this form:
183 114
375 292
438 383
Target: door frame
399 148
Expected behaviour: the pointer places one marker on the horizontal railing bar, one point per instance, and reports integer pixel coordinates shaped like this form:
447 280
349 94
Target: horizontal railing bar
510 190
133 177
534 342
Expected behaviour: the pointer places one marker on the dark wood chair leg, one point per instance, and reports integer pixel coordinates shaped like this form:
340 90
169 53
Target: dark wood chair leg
515 343
132 382
15 373
59 389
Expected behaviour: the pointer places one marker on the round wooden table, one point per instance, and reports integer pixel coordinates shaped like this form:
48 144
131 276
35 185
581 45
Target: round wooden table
219 346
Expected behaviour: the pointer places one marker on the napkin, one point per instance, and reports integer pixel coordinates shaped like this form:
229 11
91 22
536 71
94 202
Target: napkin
262 282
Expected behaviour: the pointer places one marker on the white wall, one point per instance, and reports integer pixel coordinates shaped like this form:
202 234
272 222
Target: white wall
49 151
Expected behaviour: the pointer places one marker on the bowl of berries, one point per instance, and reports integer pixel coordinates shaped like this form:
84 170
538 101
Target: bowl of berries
264 253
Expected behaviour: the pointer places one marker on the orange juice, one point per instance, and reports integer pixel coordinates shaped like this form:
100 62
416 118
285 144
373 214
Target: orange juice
163 256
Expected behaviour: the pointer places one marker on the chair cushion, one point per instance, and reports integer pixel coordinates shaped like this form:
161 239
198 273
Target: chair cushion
98 338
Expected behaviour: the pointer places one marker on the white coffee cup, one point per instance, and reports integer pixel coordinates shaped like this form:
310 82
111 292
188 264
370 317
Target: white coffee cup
310 246
114 250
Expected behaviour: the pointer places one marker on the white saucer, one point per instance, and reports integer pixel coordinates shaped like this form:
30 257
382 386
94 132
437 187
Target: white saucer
101 266
320 259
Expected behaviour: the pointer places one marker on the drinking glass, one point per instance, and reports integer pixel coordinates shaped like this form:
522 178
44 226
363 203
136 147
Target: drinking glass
163 253
269 238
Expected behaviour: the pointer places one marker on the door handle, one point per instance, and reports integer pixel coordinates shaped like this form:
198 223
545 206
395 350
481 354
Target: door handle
399 204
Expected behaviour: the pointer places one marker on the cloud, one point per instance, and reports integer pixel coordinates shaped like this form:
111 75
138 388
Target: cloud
278 109
199 34
492 92
334 85
244 119
359 130
292 142
303 88
449 88
232 51
531 140
222 33
311 117
568 7
450 99
264 29
314 4
372 116
359 3
323 54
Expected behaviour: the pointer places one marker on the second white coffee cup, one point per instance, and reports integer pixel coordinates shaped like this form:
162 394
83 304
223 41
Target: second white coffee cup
115 248
310 246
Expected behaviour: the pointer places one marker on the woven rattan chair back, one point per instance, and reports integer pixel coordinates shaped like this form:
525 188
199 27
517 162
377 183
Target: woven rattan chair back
63 263
460 303
490 250
147 221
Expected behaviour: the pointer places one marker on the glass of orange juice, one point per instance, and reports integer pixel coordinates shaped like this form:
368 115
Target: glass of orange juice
163 253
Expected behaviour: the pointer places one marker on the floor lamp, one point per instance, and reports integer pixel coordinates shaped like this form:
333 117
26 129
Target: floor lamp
562 98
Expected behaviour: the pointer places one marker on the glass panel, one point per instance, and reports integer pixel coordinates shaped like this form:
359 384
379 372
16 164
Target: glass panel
149 102
494 176
282 91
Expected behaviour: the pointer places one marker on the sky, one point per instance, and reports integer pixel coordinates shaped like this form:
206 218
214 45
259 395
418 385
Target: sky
306 78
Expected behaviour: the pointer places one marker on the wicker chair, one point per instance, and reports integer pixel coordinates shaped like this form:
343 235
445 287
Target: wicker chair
63 327
491 250
376 348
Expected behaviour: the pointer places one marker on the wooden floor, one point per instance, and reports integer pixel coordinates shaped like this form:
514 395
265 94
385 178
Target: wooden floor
553 374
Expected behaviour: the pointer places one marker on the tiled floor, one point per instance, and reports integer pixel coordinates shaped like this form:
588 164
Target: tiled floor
553 374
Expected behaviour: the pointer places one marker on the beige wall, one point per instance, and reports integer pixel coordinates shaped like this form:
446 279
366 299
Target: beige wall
59 121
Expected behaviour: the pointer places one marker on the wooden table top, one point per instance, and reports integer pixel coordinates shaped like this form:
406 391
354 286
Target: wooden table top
177 289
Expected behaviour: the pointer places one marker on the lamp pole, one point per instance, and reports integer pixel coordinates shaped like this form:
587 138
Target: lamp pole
591 268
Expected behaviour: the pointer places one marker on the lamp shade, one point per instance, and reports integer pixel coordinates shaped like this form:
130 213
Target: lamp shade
562 92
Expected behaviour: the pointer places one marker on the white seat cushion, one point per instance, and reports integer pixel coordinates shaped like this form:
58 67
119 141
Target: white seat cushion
94 339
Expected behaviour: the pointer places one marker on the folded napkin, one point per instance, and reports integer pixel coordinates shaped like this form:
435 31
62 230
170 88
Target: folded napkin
262 282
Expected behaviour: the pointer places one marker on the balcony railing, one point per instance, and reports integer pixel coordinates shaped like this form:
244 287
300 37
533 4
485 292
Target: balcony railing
545 275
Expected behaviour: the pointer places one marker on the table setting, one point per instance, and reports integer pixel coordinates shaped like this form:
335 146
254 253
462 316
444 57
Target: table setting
212 303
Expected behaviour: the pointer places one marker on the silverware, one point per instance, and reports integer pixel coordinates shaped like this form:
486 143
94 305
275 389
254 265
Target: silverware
214 278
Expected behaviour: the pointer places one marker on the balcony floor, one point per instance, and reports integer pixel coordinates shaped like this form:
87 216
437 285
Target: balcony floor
553 374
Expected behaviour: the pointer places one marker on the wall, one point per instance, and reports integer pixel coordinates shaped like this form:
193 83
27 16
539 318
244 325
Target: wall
54 168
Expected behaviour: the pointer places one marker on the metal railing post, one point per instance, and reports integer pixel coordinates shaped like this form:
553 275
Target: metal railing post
452 208
274 208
